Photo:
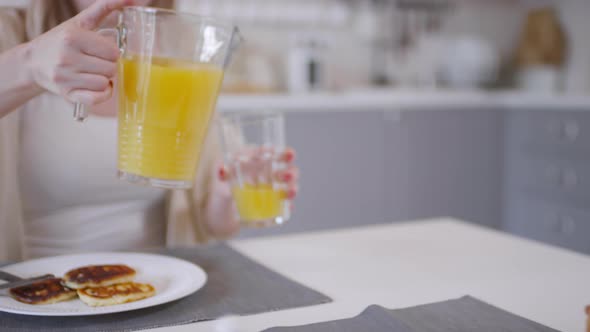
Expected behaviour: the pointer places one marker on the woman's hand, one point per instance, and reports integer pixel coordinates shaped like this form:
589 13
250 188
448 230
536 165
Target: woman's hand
220 212
289 176
74 61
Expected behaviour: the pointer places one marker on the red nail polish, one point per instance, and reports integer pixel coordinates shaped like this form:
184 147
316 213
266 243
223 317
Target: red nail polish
222 173
291 194
289 156
287 177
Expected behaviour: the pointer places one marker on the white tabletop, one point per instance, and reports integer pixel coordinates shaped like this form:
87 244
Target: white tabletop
406 264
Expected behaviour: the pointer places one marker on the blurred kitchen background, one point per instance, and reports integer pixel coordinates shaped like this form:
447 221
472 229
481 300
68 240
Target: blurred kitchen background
337 45
409 109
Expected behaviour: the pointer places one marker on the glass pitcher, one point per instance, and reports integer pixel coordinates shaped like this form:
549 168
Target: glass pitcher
169 75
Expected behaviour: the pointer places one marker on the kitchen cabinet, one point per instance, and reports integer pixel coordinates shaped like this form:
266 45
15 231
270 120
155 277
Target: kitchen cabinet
547 177
451 165
341 158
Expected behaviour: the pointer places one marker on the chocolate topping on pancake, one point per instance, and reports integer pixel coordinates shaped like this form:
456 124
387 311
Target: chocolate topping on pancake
98 273
45 291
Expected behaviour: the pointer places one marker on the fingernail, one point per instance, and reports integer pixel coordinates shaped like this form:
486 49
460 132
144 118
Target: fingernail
288 176
289 156
222 173
291 193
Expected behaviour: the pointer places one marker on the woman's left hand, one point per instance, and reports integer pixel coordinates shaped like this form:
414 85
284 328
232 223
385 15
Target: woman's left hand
289 176
221 217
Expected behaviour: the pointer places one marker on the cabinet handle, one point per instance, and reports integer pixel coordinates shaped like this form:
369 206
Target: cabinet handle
567 225
570 130
569 178
566 130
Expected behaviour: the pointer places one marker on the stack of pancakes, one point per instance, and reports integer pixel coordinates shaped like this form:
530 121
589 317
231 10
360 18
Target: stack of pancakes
95 285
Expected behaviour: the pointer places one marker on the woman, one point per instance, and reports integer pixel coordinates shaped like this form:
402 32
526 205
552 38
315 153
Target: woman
58 191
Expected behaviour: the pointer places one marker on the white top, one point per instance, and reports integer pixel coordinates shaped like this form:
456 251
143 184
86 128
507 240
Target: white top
406 264
72 198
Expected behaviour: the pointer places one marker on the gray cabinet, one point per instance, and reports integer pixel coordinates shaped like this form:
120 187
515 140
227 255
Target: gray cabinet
547 177
341 157
450 165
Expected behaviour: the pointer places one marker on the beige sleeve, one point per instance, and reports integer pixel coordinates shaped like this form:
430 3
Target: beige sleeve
12 33
12 28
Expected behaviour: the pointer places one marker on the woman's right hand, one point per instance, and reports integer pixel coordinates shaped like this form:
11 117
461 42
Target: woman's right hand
73 60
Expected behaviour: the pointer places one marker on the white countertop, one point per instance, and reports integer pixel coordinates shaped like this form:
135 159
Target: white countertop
401 265
402 100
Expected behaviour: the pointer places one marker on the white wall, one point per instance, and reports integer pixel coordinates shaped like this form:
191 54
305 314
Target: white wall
498 22
501 22
574 15
269 27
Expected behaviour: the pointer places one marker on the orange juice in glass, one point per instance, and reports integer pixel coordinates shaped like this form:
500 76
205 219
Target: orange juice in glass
253 144
255 202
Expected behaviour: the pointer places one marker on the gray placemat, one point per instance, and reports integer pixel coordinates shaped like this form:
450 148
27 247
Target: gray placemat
236 285
373 319
466 314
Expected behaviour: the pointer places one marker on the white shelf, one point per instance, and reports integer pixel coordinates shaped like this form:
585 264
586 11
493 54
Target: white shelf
401 100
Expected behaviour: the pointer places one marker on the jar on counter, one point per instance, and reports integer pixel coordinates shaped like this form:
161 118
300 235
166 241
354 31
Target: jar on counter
306 67
541 52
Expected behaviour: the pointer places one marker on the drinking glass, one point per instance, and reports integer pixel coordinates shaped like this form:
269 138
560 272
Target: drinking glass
254 145
169 75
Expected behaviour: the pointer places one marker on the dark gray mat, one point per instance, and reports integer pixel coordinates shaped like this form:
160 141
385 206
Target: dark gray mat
236 285
461 315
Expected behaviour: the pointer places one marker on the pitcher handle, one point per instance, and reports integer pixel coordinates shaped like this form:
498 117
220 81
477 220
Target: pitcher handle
80 112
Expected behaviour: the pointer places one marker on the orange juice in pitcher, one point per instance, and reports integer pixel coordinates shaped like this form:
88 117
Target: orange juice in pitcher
165 107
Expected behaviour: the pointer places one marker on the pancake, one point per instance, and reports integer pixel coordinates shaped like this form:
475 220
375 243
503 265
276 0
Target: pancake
98 276
43 292
116 294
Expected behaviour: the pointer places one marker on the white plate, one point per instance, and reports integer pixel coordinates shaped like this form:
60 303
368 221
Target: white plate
173 279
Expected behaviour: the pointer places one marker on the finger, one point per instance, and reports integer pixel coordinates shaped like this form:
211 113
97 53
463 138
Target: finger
96 66
291 192
93 44
288 155
88 97
91 82
224 173
289 175
91 17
